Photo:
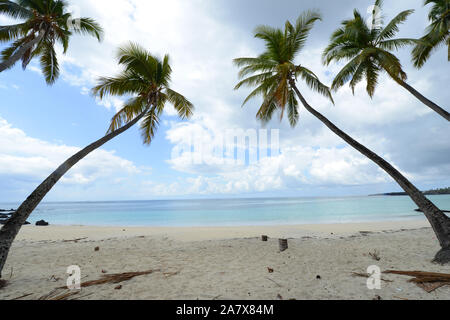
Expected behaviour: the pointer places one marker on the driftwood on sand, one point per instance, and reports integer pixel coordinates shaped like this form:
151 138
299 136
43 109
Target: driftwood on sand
75 240
283 244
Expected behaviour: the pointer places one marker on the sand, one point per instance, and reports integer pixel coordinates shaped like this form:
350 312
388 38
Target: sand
225 263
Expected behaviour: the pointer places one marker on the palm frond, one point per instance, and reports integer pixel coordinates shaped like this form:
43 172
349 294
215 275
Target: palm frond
125 83
12 32
313 82
261 67
166 71
49 63
183 106
297 36
262 89
391 64
149 125
274 40
358 75
134 57
9 51
14 10
132 108
372 74
427 45
268 107
338 52
346 73
437 33
88 26
396 44
254 80
293 113
392 28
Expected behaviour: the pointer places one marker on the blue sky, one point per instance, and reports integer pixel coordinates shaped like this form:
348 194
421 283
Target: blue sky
40 126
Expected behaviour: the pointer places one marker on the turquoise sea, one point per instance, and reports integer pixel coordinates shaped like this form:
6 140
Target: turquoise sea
231 212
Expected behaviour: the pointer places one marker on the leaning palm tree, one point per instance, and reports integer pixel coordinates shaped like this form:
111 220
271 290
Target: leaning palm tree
437 33
274 74
43 24
368 49
146 78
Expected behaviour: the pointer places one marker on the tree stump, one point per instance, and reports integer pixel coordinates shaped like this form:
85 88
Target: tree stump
264 238
283 243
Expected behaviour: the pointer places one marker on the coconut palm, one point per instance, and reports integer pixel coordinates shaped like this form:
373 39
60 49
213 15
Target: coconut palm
437 33
43 24
146 79
275 73
368 52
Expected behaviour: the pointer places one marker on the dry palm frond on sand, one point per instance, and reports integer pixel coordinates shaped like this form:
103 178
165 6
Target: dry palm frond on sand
429 281
115 278
105 279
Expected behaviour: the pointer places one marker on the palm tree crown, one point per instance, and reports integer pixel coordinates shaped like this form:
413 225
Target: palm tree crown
48 18
146 78
437 33
273 71
368 49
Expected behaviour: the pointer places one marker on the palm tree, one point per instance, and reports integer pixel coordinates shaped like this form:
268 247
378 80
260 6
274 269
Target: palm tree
368 51
146 78
43 24
274 74
437 33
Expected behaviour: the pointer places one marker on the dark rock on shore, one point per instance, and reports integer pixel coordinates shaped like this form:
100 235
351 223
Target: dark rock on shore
42 223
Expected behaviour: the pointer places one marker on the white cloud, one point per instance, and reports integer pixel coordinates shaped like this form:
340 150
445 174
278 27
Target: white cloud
34 159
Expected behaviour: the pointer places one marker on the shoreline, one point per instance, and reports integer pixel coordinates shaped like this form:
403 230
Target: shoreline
203 233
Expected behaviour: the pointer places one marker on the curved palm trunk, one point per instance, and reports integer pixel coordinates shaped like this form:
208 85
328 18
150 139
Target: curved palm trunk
20 52
10 230
425 101
438 220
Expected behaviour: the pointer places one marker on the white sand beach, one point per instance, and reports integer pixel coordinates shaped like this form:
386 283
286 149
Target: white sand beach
225 262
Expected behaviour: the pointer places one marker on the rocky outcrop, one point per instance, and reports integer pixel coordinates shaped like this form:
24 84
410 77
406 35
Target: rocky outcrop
42 223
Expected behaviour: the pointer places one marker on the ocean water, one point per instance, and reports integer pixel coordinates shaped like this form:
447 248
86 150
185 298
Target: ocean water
232 212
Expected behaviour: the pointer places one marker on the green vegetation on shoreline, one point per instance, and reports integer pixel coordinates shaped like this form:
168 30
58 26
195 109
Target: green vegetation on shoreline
433 192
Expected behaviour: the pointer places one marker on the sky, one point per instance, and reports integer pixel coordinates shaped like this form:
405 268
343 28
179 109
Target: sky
41 126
